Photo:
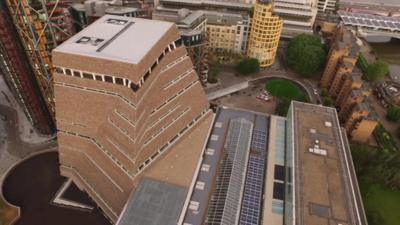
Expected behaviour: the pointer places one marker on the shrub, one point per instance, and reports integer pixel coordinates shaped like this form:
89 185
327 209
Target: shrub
393 113
376 71
305 55
247 66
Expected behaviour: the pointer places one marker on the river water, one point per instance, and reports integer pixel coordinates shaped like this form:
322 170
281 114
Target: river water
390 51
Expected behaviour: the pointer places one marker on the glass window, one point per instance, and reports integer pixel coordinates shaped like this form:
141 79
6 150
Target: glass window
119 81
87 75
98 77
108 79
68 72
77 74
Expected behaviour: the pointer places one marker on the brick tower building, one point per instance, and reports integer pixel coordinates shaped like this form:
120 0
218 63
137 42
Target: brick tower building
126 94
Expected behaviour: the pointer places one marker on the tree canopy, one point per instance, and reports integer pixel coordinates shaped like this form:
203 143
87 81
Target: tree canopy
213 74
247 66
393 114
376 71
377 166
305 54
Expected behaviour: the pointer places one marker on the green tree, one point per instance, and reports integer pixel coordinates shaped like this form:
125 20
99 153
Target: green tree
282 106
252 12
247 66
398 132
213 74
327 101
375 218
305 54
324 92
393 113
376 71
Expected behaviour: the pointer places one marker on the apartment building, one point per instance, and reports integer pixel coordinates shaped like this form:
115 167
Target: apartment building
298 16
265 34
351 97
343 81
343 53
354 97
361 122
217 5
327 6
227 32
129 106
192 28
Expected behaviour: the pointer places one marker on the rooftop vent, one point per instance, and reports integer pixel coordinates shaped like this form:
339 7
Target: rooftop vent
89 41
328 124
116 21
320 210
317 150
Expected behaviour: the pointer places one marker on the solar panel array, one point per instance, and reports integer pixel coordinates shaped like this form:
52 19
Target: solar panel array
226 200
252 197
370 21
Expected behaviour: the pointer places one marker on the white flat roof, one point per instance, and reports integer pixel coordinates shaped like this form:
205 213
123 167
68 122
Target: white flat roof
116 38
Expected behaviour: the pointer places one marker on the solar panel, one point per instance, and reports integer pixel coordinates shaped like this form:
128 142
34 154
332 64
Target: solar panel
383 24
368 22
391 25
346 20
353 21
250 213
252 197
360 21
226 200
375 23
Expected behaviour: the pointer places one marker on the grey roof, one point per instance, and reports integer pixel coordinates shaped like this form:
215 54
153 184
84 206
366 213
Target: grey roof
222 122
220 3
128 41
215 17
117 10
154 203
192 17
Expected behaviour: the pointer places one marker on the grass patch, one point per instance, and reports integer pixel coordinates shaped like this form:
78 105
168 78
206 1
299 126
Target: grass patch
378 174
285 91
281 88
381 200
385 139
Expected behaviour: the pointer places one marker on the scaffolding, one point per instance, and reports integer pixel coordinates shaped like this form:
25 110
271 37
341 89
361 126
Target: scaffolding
199 55
41 25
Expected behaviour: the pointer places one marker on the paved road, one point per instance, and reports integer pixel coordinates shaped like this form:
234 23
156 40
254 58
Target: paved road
228 79
16 148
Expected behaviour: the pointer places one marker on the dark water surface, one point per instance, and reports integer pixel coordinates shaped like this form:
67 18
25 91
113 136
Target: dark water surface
32 186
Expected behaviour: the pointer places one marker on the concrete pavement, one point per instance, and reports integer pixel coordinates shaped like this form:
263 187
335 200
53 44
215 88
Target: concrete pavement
15 149
229 82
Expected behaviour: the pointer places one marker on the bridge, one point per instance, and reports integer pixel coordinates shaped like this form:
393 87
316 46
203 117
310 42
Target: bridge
372 25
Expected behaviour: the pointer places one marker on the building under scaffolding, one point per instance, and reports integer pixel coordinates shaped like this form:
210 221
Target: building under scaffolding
19 76
41 26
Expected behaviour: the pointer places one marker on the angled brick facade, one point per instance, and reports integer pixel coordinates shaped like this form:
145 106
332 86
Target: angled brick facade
117 115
